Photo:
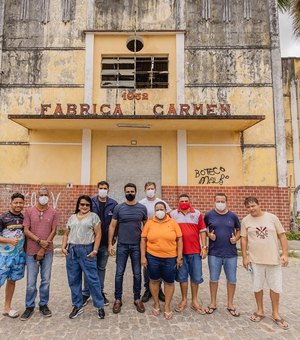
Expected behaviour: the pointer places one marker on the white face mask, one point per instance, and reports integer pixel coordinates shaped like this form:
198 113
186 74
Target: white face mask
150 193
221 206
160 214
43 200
102 193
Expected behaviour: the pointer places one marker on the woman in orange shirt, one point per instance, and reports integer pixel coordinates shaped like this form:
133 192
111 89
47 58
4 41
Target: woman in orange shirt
161 253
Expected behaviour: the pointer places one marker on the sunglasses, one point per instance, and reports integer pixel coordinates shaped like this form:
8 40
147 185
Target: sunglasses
84 204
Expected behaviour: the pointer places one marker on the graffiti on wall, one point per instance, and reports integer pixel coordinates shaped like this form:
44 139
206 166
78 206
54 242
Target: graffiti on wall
215 175
33 198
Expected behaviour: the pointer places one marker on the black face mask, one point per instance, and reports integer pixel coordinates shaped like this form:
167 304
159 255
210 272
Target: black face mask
130 197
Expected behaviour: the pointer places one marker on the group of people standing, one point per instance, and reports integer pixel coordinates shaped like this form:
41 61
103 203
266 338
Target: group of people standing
169 244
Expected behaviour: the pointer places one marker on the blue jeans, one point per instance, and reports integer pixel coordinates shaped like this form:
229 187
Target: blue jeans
191 266
123 252
102 258
77 263
33 268
160 268
229 264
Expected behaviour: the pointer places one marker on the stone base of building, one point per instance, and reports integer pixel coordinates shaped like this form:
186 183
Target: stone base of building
272 199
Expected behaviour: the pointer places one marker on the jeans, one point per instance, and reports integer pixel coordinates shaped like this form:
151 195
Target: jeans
77 263
191 266
160 268
33 268
123 252
229 264
102 258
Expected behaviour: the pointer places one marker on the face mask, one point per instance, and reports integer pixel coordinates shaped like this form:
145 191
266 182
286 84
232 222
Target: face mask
150 193
43 200
130 197
102 193
221 206
160 214
184 205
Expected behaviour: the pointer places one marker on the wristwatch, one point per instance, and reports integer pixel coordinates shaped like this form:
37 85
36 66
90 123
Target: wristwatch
205 247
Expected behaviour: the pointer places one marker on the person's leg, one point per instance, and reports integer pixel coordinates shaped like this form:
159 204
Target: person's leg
275 304
86 289
32 272
230 268
9 292
196 275
46 267
154 269
169 292
102 258
74 274
121 261
182 277
259 302
215 266
258 278
135 256
154 288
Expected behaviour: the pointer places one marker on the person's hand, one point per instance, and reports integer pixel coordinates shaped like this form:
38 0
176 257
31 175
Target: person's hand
110 249
92 254
64 251
212 235
203 253
14 241
45 244
179 262
284 260
233 239
40 254
246 262
144 261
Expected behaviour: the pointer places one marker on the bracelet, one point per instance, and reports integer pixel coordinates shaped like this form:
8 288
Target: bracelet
38 241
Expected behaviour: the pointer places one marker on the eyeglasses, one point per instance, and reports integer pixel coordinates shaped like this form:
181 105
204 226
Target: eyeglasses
84 204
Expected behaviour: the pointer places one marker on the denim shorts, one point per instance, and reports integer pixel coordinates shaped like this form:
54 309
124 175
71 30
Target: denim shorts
160 268
191 266
229 264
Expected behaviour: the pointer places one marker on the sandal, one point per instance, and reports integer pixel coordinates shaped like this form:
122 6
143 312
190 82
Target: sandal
256 317
210 310
281 323
180 308
168 315
233 312
11 314
198 310
155 311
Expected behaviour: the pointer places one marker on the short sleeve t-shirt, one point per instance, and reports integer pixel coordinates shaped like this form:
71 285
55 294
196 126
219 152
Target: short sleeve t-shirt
150 205
191 224
11 226
224 225
41 224
130 220
81 231
162 237
262 234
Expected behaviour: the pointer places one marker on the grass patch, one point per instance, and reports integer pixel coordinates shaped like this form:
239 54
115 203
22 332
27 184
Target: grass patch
293 235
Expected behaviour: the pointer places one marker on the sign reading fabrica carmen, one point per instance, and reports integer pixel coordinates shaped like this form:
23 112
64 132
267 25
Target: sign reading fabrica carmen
199 109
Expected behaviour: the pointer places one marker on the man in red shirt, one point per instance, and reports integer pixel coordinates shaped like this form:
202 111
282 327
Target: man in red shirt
40 223
193 230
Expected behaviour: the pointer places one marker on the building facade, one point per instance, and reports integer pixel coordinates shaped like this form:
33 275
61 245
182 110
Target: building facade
184 93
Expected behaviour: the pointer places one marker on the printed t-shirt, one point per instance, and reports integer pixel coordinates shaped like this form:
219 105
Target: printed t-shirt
161 237
130 219
224 225
150 205
41 224
81 231
262 233
191 224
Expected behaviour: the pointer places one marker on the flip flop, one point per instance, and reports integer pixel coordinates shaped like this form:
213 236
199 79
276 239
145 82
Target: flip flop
256 317
198 310
155 311
11 314
179 308
210 310
168 315
233 312
281 323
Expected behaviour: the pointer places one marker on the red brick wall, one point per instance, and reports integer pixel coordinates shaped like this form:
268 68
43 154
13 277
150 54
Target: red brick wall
272 199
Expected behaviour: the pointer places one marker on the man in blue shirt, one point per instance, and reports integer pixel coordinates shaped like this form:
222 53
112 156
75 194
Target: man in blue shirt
129 216
223 232
103 206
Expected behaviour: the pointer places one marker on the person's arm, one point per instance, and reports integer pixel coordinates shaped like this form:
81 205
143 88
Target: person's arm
97 232
111 232
65 242
179 251
284 246
203 242
144 262
244 247
13 241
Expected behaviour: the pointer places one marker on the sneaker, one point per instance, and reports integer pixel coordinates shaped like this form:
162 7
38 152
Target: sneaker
85 300
101 313
161 296
75 312
45 311
27 314
106 301
147 295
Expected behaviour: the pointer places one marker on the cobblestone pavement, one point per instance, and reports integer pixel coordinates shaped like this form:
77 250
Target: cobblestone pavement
130 324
